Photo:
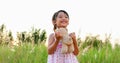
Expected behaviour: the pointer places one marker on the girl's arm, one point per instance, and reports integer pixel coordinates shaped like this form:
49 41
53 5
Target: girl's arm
76 49
53 42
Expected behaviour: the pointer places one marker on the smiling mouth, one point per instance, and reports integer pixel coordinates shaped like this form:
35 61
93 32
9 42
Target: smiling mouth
63 21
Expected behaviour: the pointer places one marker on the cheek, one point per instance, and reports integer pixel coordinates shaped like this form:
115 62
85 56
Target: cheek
57 23
68 22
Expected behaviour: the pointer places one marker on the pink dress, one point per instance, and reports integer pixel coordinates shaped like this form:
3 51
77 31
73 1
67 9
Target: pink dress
58 57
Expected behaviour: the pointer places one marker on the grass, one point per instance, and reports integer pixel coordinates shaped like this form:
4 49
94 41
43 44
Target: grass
27 53
23 54
103 55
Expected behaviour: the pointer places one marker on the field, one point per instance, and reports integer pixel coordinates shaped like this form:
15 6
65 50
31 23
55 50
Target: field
30 48
23 54
27 53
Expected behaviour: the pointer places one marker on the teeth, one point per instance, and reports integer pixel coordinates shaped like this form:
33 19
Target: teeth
63 22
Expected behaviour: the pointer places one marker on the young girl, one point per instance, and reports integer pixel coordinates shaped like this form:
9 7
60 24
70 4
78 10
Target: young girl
60 20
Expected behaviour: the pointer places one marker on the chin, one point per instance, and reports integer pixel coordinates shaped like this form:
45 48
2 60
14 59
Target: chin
64 25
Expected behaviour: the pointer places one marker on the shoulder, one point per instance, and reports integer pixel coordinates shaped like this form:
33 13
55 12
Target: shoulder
51 39
51 36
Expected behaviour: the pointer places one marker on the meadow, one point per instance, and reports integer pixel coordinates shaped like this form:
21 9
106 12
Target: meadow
27 53
30 48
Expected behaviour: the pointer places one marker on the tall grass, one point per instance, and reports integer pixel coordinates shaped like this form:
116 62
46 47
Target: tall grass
104 55
93 50
33 50
27 53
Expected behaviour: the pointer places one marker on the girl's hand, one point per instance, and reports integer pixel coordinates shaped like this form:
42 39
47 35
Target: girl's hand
58 35
72 35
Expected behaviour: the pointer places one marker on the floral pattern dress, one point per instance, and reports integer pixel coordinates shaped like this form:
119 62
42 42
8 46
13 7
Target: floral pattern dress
58 57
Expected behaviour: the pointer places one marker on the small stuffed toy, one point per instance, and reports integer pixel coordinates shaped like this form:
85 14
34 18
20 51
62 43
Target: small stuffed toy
67 42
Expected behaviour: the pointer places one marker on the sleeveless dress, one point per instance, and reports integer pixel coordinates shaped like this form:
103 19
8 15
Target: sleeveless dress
58 57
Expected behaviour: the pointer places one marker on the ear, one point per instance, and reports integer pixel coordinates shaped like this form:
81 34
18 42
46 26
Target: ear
68 23
54 22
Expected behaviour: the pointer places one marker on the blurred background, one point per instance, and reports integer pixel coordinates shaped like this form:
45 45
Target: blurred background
95 17
26 24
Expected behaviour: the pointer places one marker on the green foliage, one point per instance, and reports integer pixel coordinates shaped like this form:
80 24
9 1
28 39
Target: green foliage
10 36
2 28
92 41
92 49
5 36
35 36
103 55
24 54
43 36
27 53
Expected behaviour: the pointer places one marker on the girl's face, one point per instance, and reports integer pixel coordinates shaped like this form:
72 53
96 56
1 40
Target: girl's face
62 20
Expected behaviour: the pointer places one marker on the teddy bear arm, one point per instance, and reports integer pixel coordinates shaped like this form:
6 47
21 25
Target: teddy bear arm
71 48
67 41
64 48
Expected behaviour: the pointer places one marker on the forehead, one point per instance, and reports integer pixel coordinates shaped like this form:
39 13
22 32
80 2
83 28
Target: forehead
61 14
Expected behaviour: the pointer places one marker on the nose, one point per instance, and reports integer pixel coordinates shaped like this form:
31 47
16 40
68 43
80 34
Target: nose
63 18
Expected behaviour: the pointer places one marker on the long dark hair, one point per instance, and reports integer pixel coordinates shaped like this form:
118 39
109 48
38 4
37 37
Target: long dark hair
55 16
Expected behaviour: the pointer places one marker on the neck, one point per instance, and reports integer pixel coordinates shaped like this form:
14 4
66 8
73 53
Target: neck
62 27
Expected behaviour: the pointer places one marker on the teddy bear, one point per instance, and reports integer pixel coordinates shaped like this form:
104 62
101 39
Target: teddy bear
67 42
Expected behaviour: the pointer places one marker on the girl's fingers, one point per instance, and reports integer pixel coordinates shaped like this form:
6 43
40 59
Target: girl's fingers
72 34
58 35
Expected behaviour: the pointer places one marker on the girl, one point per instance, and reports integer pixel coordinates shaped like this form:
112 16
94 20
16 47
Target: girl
60 19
